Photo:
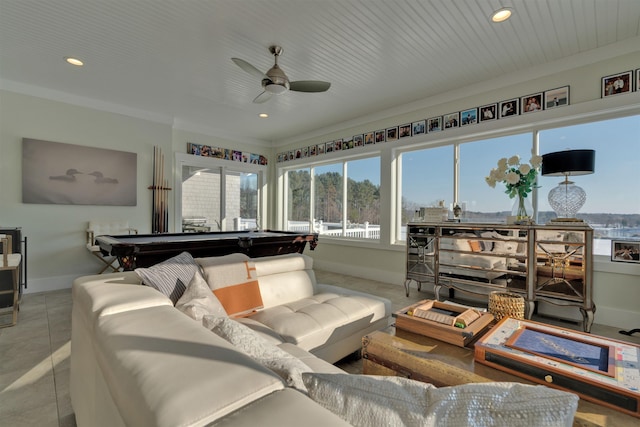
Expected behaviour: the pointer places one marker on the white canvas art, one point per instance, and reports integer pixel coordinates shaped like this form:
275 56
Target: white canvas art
68 174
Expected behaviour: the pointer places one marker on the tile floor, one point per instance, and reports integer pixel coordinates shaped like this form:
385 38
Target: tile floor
34 354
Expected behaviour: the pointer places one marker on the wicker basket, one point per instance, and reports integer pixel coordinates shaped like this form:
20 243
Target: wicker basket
506 304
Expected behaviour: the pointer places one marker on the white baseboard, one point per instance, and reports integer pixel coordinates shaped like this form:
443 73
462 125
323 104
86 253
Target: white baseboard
49 284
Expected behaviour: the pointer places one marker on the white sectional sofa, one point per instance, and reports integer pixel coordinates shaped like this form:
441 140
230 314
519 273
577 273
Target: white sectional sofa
137 360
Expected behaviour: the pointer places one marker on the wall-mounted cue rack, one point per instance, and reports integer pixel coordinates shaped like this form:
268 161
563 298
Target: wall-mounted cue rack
160 190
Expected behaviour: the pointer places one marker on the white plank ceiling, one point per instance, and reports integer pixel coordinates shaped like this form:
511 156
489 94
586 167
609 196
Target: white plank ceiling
171 59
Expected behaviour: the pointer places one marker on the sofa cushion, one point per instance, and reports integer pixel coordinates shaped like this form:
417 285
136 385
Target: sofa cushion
171 276
233 280
285 278
159 365
198 300
380 401
324 317
268 355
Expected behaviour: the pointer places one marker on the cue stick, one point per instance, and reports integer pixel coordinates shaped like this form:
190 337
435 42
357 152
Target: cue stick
153 192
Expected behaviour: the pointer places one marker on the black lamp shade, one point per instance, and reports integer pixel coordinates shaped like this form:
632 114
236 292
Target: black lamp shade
569 162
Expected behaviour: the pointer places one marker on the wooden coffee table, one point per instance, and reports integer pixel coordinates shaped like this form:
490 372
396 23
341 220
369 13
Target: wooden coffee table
396 352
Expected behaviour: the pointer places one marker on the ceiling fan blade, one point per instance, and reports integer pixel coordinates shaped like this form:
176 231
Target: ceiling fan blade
309 86
249 68
263 97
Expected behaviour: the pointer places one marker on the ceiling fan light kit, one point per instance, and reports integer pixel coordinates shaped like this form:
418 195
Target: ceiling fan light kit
276 82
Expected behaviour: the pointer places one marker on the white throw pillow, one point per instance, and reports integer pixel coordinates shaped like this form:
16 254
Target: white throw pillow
268 355
374 401
170 277
198 300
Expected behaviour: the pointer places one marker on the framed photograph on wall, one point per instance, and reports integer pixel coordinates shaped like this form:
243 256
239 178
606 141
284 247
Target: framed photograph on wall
404 131
617 84
419 127
531 103
434 124
488 113
509 108
369 138
469 117
380 136
451 120
392 134
558 97
321 148
329 147
638 79
358 140
625 251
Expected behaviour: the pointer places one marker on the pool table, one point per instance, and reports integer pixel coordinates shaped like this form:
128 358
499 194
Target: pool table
144 250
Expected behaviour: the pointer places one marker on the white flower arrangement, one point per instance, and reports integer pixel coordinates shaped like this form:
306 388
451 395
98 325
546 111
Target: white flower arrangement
519 178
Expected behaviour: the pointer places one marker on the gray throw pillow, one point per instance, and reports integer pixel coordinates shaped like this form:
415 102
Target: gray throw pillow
171 276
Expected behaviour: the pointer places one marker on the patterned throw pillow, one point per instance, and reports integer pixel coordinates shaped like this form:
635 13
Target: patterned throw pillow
233 280
171 276
288 367
370 401
198 300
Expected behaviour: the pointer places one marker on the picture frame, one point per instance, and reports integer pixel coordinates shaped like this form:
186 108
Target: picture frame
575 351
337 144
488 113
347 143
558 97
616 84
321 148
358 140
419 127
404 131
638 80
625 251
469 117
329 147
392 134
369 138
509 108
434 124
380 136
451 120
531 103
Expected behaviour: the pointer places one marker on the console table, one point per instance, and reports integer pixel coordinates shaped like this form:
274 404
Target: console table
551 263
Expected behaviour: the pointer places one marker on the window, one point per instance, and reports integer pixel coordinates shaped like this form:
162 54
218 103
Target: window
426 179
479 202
218 195
346 199
298 200
613 198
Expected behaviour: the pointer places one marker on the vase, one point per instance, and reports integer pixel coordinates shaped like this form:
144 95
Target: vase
522 208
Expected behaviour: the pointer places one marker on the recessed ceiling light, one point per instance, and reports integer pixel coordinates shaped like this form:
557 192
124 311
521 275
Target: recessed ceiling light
74 61
263 115
501 15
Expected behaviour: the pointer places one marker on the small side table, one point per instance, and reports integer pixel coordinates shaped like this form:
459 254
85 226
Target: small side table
11 262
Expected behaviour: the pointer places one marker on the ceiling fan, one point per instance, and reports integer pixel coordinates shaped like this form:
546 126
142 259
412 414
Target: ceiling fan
275 81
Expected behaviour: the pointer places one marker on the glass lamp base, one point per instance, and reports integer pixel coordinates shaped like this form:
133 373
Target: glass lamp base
566 199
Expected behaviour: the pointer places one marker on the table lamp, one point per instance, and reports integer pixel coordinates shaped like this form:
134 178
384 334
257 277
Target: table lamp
567 198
